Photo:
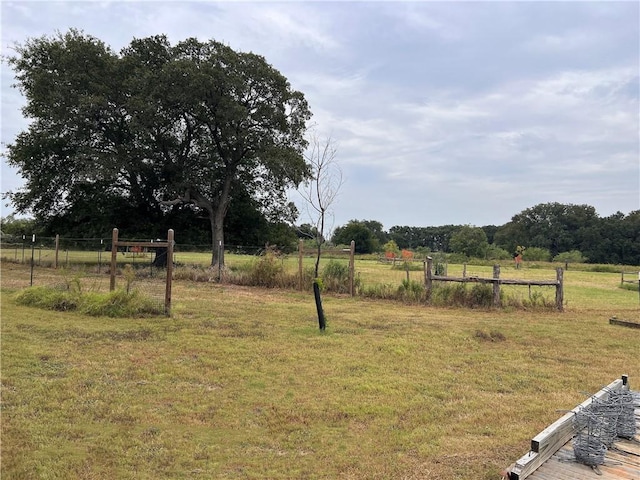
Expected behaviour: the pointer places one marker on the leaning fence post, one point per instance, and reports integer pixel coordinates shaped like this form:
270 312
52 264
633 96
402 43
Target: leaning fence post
33 246
428 280
300 253
167 295
559 289
55 265
496 285
114 259
352 267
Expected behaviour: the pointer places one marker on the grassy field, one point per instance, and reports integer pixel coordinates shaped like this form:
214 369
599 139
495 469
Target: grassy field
240 384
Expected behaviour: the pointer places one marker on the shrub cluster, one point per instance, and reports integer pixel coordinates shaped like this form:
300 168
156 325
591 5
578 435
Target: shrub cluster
460 295
118 303
335 277
536 301
268 271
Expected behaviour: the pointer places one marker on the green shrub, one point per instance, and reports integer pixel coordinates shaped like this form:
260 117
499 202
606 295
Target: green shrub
411 291
497 253
460 295
536 254
266 271
481 295
383 291
574 256
536 301
49 298
335 277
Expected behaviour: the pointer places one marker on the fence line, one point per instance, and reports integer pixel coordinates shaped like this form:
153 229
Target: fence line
168 260
636 277
623 281
496 281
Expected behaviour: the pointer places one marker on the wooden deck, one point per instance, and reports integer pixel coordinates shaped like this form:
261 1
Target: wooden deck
621 462
552 458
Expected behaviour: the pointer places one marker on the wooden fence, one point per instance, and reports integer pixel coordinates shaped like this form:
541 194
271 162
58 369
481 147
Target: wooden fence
351 251
635 277
169 244
429 278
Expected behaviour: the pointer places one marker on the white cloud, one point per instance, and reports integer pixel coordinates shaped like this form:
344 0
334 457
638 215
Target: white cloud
575 40
442 112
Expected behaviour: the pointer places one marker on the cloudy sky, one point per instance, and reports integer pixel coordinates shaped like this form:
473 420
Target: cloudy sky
442 112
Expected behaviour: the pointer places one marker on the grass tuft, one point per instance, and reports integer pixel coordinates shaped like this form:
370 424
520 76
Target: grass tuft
118 303
492 336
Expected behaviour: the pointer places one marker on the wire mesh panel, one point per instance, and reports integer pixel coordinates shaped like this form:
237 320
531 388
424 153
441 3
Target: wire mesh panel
626 422
144 267
588 445
599 425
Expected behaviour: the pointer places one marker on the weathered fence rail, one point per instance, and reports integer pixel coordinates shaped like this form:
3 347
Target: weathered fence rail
496 281
635 277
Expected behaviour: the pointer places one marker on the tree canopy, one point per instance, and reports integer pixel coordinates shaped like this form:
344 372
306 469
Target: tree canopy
155 125
358 231
470 241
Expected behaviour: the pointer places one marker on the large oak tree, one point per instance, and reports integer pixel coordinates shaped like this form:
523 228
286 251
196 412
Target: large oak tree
160 125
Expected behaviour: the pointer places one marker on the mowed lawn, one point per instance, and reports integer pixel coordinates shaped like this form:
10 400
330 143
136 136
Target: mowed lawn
240 384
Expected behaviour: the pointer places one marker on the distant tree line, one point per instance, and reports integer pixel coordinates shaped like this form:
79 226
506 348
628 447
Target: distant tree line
547 231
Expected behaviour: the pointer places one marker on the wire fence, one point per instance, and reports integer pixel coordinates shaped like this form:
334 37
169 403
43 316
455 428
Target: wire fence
88 259
136 266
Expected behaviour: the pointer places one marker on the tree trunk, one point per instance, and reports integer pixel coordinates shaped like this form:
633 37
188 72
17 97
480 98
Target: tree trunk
216 216
217 237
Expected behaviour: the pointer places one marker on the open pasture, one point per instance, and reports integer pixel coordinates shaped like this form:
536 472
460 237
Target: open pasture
240 384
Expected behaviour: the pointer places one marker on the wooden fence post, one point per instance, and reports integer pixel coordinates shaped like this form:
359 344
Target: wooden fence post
428 281
114 259
352 267
55 264
167 294
496 286
559 289
300 252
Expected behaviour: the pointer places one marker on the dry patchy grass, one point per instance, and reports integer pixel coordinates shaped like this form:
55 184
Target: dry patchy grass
239 383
